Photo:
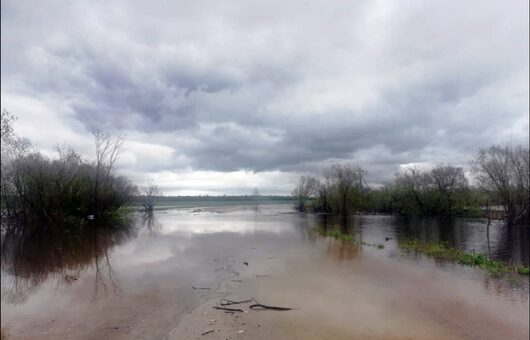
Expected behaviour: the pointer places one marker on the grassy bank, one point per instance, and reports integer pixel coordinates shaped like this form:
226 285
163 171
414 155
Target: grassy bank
337 234
443 251
340 235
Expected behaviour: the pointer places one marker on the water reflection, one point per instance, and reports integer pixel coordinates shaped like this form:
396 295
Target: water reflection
150 223
341 234
32 257
161 256
342 250
385 234
503 242
344 224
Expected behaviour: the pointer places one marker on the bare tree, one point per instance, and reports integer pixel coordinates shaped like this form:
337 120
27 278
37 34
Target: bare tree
346 182
13 149
448 180
323 195
107 151
49 191
6 137
7 132
412 188
149 193
306 188
503 170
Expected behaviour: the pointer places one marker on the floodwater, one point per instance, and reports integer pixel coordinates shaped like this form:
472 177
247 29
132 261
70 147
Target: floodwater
159 278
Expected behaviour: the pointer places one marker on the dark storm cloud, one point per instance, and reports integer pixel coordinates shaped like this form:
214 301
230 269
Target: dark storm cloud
276 86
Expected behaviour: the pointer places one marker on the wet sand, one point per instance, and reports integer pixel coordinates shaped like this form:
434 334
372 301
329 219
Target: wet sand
149 286
370 298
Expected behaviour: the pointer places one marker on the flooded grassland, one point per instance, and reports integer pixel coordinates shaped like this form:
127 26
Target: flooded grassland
160 277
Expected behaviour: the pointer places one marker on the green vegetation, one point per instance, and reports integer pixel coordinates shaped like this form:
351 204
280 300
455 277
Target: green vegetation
523 270
501 172
341 191
378 246
62 190
443 251
426 193
337 234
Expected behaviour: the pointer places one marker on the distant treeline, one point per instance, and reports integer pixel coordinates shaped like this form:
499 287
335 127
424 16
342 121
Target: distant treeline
501 187
43 191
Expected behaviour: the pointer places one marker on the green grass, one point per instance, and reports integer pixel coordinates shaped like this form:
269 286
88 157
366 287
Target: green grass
522 270
378 246
338 235
443 251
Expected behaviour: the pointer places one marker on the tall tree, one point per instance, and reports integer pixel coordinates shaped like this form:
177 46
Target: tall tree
306 188
503 170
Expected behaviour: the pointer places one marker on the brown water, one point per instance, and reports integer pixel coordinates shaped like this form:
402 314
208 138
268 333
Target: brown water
145 281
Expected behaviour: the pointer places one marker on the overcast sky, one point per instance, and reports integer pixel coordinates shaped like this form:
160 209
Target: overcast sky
224 96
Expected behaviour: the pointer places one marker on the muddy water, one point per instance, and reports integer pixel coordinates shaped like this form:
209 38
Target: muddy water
159 277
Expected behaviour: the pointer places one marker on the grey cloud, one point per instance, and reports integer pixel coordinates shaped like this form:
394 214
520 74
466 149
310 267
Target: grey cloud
279 86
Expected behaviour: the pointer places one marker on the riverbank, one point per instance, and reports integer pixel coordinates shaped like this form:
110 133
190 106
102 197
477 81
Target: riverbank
370 298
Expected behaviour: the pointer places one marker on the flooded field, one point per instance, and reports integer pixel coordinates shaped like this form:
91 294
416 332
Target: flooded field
160 278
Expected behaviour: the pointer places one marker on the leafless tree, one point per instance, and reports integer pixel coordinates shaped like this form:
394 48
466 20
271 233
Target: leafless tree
13 150
7 131
306 188
107 152
346 182
448 180
504 171
323 194
149 193
414 184
48 190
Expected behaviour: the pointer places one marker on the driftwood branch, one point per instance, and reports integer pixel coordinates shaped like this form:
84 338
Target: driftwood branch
258 305
228 309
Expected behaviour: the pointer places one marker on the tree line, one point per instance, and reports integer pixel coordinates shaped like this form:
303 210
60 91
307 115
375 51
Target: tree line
49 191
499 179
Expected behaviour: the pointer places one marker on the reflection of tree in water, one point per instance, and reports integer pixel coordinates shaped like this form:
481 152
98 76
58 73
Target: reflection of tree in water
497 240
341 227
31 257
513 244
342 249
349 225
304 224
150 223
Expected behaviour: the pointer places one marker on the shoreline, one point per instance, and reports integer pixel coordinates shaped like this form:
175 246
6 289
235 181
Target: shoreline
329 306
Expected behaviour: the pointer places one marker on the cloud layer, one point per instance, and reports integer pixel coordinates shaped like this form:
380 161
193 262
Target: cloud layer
228 96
